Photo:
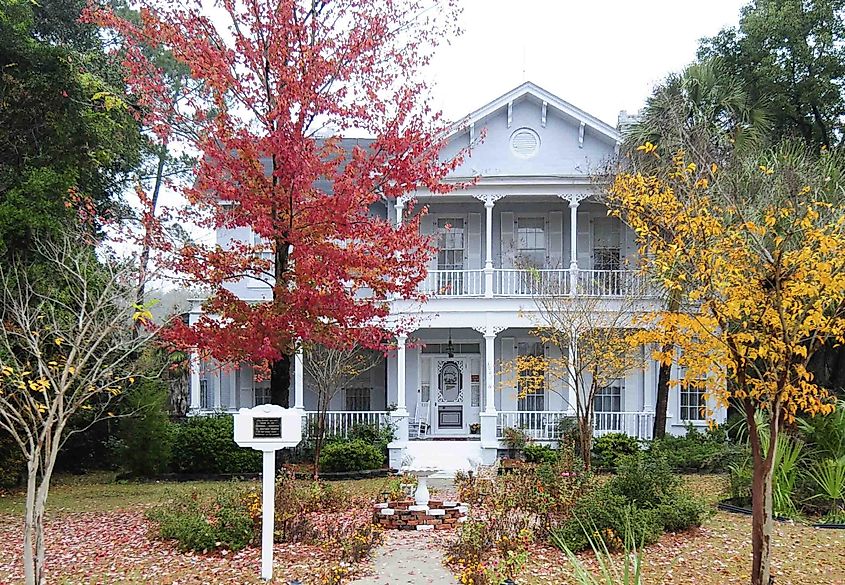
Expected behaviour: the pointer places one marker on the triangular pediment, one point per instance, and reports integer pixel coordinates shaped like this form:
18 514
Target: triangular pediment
529 131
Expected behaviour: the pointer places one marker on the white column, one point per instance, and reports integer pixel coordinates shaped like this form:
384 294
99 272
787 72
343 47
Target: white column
489 372
195 382
400 205
400 372
488 243
299 380
488 248
573 244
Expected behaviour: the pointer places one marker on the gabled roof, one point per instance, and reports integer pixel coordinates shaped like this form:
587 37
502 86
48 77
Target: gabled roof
543 96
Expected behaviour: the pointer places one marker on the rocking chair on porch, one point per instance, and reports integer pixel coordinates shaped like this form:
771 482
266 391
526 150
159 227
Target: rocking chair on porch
418 426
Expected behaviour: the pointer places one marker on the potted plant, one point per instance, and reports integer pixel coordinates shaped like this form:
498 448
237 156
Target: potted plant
475 428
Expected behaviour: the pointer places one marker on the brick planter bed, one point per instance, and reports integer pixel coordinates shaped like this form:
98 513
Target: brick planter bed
405 515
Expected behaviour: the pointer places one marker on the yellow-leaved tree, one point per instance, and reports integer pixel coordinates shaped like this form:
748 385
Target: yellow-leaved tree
757 249
69 345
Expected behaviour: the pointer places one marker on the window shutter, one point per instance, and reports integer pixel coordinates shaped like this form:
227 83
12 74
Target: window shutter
427 224
585 242
473 242
508 393
555 242
508 243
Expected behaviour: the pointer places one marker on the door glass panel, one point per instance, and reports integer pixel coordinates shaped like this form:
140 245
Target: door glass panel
450 382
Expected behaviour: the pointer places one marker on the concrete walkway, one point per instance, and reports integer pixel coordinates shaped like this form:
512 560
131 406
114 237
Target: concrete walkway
408 557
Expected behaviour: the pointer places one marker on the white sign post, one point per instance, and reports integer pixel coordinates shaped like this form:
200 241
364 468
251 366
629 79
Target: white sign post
268 428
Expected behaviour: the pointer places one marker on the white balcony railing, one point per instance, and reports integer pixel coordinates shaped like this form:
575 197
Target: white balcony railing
513 282
516 282
454 283
611 283
340 422
545 425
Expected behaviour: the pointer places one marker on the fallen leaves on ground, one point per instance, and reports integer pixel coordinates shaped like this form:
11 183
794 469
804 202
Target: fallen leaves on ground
116 547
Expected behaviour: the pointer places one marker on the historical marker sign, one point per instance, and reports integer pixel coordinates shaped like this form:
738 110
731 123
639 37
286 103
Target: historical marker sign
268 428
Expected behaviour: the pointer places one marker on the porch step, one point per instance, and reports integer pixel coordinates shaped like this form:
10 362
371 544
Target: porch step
448 456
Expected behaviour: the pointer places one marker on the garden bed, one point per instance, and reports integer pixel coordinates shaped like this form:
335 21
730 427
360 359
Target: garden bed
738 508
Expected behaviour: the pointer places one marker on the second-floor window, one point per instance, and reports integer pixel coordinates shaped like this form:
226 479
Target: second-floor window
607 253
531 240
450 243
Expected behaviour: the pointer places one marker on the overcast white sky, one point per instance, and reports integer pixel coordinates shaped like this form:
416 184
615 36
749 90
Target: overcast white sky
600 55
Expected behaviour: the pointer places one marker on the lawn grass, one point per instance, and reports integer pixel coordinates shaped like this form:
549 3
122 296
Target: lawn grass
99 492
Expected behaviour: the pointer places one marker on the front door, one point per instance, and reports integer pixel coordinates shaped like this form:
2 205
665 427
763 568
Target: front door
452 378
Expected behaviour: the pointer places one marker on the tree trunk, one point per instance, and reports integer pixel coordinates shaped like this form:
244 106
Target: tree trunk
585 435
280 382
29 523
762 522
661 403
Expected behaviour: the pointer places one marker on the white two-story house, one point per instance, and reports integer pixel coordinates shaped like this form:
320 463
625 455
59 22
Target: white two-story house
534 202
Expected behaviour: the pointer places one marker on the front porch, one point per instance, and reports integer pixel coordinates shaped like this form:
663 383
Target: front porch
540 426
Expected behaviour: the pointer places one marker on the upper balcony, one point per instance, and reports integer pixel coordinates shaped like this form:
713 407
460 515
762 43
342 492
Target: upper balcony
514 282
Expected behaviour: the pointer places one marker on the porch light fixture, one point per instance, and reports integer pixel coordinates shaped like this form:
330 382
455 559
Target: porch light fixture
450 348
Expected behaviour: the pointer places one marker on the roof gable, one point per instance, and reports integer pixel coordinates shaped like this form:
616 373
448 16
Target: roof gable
547 99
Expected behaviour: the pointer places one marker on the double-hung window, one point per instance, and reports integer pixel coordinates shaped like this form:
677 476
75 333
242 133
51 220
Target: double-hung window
451 246
607 407
531 385
531 241
693 406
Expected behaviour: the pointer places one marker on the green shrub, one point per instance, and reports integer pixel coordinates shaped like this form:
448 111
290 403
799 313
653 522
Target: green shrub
373 434
609 516
709 451
201 522
535 453
12 462
645 481
351 456
682 513
147 436
205 444
610 448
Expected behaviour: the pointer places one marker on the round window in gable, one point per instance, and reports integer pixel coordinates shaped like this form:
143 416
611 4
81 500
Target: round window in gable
525 142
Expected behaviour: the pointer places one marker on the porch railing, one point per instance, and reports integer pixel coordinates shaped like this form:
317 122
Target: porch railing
635 424
518 282
546 425
454 283
513 282
339 423
539 425
612 283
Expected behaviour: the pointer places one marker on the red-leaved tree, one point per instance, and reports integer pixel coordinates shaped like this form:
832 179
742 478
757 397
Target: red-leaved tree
282 82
